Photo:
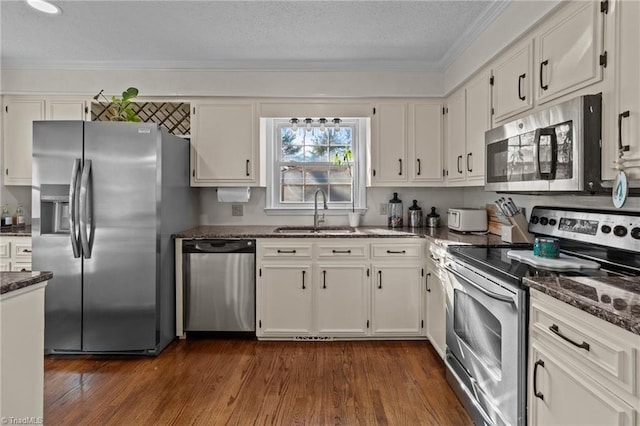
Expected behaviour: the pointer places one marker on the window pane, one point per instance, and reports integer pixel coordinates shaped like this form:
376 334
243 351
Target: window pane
309 192
339 175
340 193
291 175
341 137
316 175
291 194
316 153
316 137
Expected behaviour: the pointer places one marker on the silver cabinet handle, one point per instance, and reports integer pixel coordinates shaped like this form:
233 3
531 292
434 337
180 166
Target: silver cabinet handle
73 208
86 214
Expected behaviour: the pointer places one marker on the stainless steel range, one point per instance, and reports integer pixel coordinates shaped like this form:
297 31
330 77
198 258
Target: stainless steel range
487 305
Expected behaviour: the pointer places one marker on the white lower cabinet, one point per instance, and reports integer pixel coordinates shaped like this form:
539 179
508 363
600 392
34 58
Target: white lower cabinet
396 307
436 315
561 394
284 292
328 288
341 299
582 370
15 254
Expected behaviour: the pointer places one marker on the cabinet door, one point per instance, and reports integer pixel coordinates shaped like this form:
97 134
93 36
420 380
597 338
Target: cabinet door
284 300
569 50
456 135
478 116
627 93
19 115
436 317
396 299
341 303
567 395
513 83
63 109
225 144
425 142
389 165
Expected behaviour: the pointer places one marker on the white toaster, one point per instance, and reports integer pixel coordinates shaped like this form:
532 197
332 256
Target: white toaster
467 220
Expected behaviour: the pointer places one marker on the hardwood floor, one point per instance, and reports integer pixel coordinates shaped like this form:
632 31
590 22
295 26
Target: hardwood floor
241 382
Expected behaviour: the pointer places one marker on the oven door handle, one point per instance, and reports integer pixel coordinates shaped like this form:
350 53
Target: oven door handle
483 290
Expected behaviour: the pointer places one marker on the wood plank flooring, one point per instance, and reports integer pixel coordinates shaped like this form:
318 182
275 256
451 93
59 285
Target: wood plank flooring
244 382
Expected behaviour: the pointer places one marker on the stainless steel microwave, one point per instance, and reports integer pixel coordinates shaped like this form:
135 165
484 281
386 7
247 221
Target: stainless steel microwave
556 149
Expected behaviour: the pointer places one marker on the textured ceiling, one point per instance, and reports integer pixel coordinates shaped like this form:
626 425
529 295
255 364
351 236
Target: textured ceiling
243 34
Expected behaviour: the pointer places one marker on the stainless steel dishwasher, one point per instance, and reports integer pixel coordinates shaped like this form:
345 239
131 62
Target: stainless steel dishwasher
219 277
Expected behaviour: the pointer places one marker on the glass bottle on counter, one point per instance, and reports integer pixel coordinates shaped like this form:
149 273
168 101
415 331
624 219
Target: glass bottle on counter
395 212
5 218
18 218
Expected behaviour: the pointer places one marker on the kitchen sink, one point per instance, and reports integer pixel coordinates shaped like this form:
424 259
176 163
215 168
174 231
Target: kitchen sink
312 230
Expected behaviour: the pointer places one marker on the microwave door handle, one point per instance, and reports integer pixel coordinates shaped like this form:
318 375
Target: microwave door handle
549 131
484 291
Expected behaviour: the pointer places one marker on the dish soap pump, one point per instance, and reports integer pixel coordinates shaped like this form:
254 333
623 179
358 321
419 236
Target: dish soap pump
395 212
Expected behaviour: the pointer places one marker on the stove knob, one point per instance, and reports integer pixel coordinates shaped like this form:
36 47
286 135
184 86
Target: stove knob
620 231
605 229
544 221
534 219
552 222
635 233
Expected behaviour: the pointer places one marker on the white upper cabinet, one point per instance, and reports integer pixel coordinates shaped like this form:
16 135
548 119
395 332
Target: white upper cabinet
425 142
468 118
389 144
225 145
478 118
568 51
456 136
513 82
624 129
19 115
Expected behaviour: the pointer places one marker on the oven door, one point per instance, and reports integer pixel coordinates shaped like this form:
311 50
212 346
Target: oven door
486 335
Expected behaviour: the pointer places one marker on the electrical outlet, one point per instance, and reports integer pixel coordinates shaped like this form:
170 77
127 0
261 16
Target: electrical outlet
236 210
383 209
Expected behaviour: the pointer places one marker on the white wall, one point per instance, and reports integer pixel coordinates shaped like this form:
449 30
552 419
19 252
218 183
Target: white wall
217 213
191 83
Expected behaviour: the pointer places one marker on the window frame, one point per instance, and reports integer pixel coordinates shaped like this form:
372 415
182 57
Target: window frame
360 133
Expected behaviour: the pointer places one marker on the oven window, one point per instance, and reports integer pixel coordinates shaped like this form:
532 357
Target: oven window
475 325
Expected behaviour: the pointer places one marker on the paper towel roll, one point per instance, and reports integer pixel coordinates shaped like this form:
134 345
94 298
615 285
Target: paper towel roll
234 195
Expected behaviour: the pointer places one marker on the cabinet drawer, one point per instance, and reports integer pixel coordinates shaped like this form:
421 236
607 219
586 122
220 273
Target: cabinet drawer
286 250
22 250
391 250
5 250
603 348
351 251
21 267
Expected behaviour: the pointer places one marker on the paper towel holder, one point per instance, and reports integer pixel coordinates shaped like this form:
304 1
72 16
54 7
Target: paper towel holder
233 194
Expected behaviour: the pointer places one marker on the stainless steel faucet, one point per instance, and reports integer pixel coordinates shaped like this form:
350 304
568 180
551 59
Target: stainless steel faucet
317 220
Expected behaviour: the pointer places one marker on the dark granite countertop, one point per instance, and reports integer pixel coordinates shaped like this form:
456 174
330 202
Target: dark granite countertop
613 299
259 231
12 281
24 231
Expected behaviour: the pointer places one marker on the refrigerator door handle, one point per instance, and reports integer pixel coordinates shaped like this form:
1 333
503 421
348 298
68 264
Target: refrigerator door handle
73 208
86 214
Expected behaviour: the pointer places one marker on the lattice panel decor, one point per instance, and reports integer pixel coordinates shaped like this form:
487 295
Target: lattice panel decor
173 116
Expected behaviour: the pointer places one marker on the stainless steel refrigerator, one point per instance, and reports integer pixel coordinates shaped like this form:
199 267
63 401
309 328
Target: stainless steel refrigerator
106 199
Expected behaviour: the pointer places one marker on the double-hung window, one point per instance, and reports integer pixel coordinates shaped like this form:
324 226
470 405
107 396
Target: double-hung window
303 162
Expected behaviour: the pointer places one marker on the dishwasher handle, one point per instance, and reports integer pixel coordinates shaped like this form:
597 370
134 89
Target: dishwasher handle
219 246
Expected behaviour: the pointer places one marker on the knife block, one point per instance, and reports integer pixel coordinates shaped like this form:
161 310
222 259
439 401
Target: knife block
518 231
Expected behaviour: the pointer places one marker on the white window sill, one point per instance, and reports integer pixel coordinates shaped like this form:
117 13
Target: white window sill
309 212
